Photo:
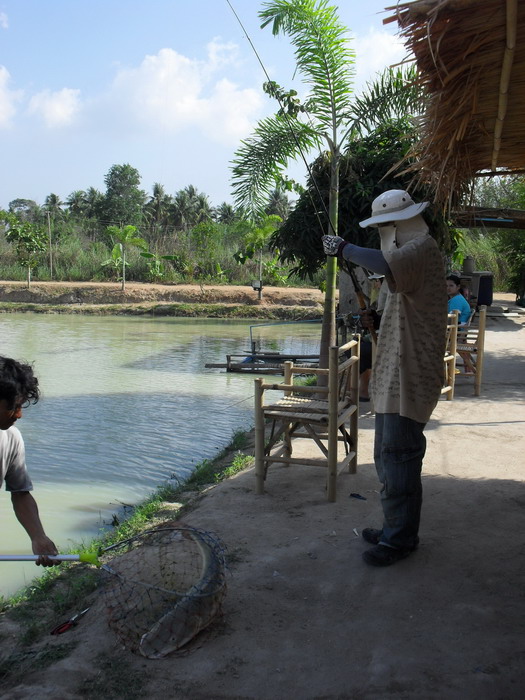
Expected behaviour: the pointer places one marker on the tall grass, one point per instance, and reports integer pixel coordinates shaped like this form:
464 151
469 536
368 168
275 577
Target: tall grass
208 260
484 248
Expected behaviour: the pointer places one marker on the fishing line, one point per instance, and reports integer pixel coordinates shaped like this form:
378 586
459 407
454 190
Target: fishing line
290 128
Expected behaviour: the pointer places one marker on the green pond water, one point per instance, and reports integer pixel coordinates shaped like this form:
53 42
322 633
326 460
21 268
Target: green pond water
127 405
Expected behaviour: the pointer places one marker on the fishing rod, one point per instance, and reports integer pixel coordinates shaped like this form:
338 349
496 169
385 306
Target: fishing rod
360 297
85 557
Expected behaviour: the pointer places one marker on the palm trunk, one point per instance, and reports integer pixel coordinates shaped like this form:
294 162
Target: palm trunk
328 328
123 268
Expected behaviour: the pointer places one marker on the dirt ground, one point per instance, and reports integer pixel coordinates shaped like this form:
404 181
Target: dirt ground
305 618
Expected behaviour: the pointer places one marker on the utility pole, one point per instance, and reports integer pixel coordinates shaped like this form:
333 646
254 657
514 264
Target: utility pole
50 245
260 274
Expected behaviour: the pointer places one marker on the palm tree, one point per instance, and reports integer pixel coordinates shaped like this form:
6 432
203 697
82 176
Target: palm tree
53 204
181 210
323 60
157 209
76 203
278 204
190 207
391 97
94 200
225 213
202 208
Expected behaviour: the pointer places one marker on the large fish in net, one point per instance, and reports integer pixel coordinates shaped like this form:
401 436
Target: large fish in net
164 588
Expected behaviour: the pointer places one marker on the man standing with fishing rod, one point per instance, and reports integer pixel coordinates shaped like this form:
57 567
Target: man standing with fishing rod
408 373
19 388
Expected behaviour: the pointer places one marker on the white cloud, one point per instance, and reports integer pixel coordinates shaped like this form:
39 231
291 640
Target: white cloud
4 22
228 115
374 52
173 92
220 54
8 98
58 108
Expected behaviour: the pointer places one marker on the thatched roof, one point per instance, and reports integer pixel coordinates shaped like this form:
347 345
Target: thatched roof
471 58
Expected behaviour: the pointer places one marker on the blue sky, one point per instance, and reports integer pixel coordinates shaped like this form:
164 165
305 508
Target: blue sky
169 86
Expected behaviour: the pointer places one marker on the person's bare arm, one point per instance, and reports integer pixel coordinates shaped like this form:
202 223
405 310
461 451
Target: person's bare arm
26 510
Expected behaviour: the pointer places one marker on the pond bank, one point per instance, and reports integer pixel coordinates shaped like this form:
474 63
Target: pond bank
184 300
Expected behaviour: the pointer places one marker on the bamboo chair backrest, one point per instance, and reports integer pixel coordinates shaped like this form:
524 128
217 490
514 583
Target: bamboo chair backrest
474 333
450 355
452 332
472 343
343 360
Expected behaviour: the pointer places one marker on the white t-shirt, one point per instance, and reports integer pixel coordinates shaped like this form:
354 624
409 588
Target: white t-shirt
13 468
408 373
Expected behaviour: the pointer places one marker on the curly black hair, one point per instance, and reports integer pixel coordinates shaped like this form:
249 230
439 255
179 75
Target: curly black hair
18 384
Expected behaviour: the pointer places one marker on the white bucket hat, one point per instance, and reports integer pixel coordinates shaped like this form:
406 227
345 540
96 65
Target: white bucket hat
393 205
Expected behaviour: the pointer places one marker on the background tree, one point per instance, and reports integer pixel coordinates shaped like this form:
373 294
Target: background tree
191 207
324 61
157 210
255 240
278 204
26 210
225 213
53 204
125 238
76 204
29 239
124 199
500 250
94 203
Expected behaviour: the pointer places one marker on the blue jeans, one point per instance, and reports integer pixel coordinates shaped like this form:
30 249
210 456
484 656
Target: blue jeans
399 448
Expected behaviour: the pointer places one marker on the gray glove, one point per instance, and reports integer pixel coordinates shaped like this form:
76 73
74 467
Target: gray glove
333 245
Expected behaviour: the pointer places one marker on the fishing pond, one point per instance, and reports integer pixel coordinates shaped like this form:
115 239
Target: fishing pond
127 405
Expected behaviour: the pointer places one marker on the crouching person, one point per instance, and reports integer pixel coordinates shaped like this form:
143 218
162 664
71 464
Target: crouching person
19 388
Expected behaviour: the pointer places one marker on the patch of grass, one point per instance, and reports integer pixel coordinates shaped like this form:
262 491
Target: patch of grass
240 462
182 310
71 584
19 663
114 680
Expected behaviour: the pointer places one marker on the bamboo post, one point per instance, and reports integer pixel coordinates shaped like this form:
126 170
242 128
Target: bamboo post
259 437
333 400
480 345
354 418
288 375
451 350
288 379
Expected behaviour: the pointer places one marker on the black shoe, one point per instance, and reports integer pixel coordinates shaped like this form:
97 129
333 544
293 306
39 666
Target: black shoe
385 556
371 535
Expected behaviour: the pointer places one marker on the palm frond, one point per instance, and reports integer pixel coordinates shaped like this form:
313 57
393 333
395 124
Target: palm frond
394 94
260 160
322 52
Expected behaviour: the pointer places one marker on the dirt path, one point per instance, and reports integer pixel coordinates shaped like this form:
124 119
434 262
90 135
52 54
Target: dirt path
304 616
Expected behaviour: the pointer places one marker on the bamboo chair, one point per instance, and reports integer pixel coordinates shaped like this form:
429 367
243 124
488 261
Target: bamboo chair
471 346
450 355
325 414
